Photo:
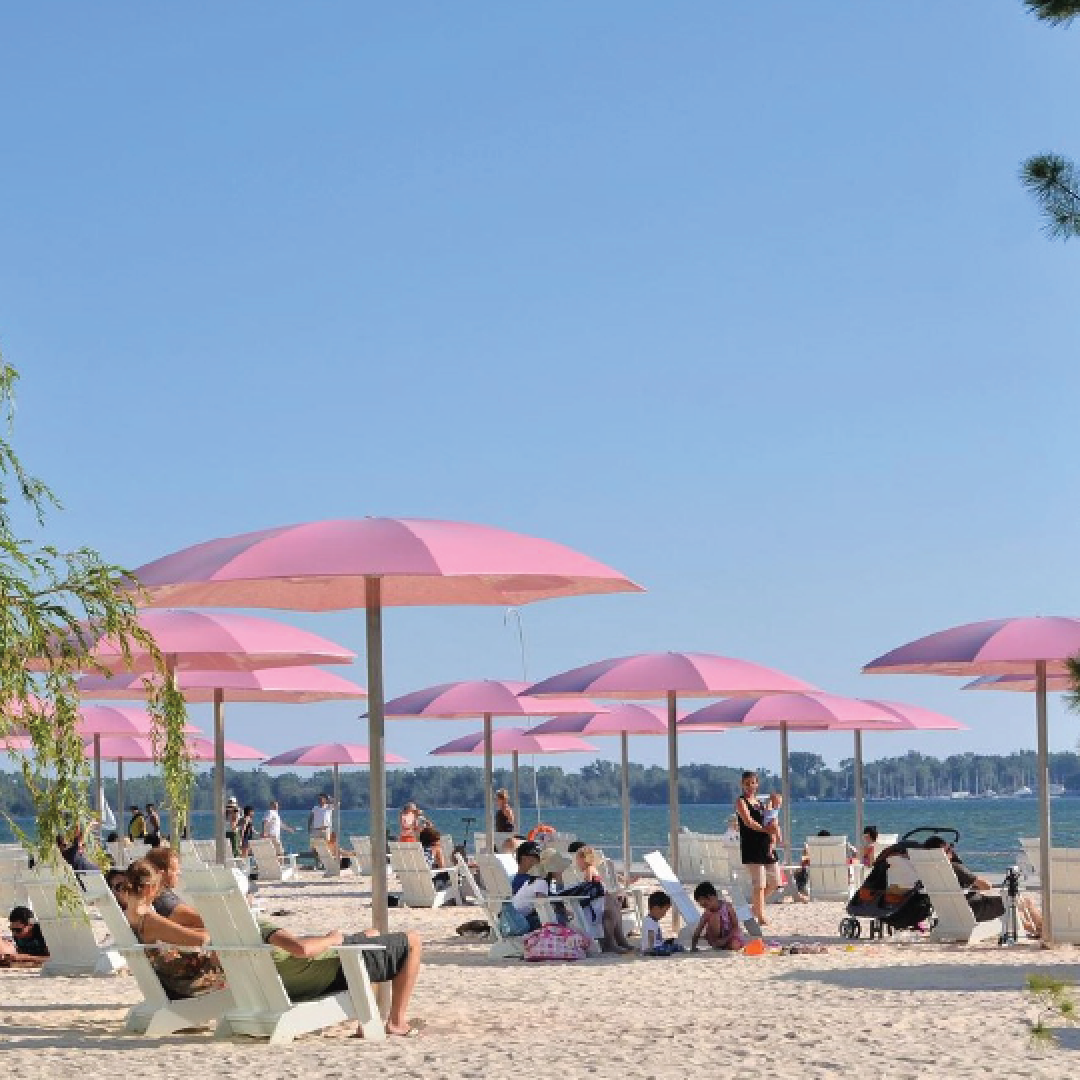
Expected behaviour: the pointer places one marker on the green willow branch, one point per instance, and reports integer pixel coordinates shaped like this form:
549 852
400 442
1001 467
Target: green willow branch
54 606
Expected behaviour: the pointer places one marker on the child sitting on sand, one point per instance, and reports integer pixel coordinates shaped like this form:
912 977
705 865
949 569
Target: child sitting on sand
653 942
718 922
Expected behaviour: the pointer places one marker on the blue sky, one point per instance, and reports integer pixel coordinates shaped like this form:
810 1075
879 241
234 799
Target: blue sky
745 300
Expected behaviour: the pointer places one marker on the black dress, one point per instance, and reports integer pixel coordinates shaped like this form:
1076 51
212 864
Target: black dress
504 820
754 846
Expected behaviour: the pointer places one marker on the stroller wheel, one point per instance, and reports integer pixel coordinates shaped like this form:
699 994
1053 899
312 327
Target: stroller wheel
849 927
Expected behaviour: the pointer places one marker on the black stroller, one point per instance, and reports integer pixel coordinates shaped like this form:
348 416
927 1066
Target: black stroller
888 907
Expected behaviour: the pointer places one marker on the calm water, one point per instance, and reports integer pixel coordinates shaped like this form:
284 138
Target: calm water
989 828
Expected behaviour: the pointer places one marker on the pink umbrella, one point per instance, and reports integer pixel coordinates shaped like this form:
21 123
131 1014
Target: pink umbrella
669 675
94 721
297 685
369 563
622 720
818 712
332 754
1038 646
140 749
292 685
196 641
486 699
514 741
214 641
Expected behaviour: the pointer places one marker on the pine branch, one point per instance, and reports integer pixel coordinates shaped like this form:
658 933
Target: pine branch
1054 11
1055 183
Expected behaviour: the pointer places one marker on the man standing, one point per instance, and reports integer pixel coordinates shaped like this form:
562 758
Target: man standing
272 826
152 824
321 819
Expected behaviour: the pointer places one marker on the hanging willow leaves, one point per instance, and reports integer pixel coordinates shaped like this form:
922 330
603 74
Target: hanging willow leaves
54 606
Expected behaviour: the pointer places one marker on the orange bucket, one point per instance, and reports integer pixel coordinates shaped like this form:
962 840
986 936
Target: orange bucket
754 947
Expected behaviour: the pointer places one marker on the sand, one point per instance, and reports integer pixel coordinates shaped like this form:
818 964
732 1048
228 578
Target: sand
903 1008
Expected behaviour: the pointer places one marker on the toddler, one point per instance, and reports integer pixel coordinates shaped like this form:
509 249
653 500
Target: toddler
771 821
718 923
653 942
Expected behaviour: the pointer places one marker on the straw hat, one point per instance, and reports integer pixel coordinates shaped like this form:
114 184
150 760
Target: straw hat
551 862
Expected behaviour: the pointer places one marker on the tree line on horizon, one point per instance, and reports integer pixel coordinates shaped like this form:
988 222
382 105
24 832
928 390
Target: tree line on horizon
598 783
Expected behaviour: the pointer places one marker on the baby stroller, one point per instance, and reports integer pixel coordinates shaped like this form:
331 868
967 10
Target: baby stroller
891 907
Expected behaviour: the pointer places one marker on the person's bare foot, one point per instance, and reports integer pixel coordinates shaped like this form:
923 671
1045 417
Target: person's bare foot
406 1031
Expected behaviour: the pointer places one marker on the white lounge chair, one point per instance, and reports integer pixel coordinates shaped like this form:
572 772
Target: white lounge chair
417 879
1030 861
1065 895
495 876
260 1006
14 863
684 902
361 852
269 865
331 864
828 869
157 1013
65 925
955 920
502 948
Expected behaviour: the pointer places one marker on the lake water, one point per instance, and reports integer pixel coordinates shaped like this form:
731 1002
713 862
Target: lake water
989 828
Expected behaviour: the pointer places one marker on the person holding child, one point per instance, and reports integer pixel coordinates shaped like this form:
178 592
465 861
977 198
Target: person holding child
756 846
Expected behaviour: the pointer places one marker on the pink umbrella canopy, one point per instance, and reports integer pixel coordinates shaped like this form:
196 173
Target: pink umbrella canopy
659 675
136 748
484 698
818 712
218 641
994 647
334 755
327 754
199 641
623 720
1036 646
371 563
299 685
480 697
515 741
1019 684
324 566
671 675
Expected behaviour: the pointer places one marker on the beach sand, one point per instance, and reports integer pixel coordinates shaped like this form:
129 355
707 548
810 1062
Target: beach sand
901 1008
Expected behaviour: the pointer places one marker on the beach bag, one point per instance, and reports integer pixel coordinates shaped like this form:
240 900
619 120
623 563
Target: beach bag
511 921
187 975
555 942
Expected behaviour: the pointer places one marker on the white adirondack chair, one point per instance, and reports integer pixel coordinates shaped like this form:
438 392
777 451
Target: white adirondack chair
269 865
502 948
330 863
417 879
73 949
260 1006
361 852
157 1013
955 920
495 875
684 902
1030 861
1065 894
13 865
828 871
